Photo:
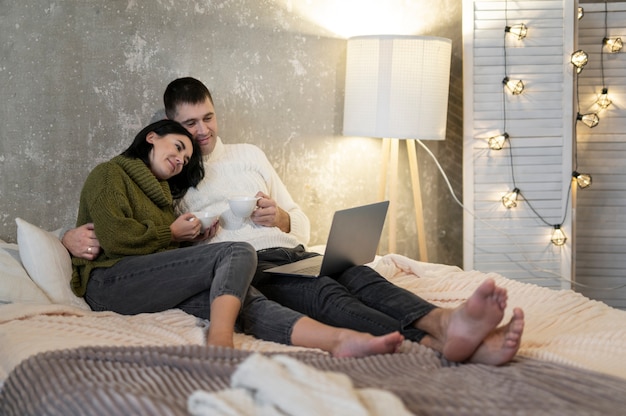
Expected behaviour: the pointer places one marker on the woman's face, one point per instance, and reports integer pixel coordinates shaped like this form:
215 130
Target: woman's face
169 154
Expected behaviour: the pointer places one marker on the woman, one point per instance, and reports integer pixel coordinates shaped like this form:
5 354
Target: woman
141 266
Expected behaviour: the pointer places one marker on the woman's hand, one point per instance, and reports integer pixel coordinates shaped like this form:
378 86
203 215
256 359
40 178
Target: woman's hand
189 228
185 228
210 231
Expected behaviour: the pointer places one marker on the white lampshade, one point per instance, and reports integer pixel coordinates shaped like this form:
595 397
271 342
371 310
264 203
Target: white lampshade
397 87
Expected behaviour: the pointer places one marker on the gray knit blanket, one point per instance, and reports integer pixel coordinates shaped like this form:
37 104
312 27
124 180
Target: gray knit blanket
159 380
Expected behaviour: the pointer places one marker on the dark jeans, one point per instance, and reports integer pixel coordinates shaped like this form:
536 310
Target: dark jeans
359 299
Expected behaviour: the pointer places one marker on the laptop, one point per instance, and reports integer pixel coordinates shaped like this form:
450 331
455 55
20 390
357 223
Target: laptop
352 241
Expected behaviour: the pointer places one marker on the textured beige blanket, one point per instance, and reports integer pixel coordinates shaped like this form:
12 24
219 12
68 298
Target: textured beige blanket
561 326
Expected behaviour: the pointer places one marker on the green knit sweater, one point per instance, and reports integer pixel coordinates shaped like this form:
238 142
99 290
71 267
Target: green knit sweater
131 210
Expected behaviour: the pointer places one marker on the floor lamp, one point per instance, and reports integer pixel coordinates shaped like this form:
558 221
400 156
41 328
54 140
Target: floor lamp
397 89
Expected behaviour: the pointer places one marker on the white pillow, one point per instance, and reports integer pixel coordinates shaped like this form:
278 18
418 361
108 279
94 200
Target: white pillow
48 263
15 284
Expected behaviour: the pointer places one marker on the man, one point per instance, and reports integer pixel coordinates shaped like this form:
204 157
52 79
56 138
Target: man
359 298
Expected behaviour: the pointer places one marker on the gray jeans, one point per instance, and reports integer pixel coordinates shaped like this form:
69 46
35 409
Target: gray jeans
189 279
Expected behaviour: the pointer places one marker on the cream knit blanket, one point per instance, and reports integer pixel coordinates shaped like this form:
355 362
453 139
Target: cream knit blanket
281 385
561 326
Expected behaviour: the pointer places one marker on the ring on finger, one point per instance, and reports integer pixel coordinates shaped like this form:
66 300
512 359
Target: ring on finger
89 249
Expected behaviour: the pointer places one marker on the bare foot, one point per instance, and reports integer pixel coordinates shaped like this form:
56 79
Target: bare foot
471 322
359 344
502 344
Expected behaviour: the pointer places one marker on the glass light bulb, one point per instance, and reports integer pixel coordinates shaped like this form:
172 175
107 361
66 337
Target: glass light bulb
520 30
497 142
614 44
583 180
510 199
515 86
603 100
590 119
579 60
558 236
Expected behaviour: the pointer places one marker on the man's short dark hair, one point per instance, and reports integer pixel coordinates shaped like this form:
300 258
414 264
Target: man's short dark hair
185 90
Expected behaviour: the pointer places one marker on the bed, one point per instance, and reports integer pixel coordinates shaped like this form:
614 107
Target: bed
58 357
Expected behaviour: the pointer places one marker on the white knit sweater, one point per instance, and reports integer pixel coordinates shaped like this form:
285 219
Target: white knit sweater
243 169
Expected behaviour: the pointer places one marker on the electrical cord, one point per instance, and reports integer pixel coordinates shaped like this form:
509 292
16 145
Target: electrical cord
527 260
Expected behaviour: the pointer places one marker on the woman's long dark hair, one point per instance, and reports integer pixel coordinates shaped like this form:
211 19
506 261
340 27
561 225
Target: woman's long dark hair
193 171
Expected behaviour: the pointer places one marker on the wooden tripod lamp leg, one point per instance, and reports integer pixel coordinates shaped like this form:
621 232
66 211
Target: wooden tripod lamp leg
393 195
389 166
417 199
382 183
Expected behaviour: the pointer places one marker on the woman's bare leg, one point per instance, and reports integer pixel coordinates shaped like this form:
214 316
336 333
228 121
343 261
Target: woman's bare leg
224 311
341 342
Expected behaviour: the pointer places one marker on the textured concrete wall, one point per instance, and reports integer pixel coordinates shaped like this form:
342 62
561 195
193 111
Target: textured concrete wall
81 77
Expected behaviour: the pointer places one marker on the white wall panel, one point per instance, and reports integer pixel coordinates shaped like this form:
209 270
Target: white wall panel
601 209
538 157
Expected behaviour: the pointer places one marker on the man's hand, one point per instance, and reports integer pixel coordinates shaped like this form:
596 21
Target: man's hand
269 214
82 242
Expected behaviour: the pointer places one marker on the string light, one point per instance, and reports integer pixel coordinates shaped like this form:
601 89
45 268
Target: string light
589 119
509 200
497 142
614 44
520 30
515 86
583 179
603 100
558 236
579 59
